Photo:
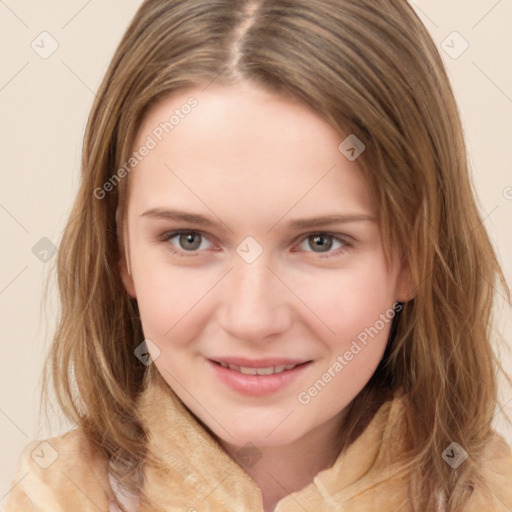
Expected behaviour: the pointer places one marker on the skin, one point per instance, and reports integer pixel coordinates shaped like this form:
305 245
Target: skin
253 161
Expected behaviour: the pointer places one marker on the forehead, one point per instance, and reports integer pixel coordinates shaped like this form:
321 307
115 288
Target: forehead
245 146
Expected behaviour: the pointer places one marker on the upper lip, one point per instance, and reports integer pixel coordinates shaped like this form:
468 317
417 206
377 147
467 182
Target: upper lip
259 363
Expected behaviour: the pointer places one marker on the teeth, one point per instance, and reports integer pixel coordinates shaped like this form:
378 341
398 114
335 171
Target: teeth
247 371
266 371
269 370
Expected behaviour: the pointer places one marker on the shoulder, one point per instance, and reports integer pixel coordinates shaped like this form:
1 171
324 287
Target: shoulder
59 474
494 483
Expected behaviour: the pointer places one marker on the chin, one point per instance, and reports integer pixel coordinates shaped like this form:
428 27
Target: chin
264 436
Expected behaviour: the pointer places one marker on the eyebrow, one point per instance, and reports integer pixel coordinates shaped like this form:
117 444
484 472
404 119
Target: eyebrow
196 218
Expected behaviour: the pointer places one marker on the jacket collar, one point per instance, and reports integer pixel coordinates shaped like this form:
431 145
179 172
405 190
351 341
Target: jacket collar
196 474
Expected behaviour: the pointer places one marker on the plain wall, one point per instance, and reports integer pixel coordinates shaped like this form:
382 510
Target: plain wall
44 107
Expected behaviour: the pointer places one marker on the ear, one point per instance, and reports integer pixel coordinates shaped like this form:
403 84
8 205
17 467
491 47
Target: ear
126 276
405 291
124 258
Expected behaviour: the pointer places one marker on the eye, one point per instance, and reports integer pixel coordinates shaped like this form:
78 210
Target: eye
324 242
187 241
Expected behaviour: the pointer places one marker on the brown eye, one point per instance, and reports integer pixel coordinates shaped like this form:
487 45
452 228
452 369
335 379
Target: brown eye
322 242
327 243
190 241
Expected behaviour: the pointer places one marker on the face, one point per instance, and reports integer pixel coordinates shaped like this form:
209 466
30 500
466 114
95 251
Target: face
264 321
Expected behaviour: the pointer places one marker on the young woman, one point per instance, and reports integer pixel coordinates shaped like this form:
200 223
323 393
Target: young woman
276 285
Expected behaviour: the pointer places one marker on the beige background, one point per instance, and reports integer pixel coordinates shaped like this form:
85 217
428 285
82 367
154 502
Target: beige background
44 107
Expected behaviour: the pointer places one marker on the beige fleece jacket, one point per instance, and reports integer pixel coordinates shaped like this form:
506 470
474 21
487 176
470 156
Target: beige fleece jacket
63 473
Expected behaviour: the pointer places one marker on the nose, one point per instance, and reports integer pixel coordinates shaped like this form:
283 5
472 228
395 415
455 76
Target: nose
254 302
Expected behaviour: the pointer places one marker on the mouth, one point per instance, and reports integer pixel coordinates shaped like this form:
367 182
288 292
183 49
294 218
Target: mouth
260 370
260 377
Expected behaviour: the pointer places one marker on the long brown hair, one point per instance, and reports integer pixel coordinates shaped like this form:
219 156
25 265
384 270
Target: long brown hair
369 68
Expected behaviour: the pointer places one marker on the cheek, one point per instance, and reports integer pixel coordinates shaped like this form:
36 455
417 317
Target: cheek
169 297
350 300
358 307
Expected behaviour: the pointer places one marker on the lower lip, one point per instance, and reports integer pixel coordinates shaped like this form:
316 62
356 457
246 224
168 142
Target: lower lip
256 385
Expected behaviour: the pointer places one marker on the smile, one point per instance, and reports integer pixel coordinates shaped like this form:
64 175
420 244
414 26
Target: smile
257 378
269 370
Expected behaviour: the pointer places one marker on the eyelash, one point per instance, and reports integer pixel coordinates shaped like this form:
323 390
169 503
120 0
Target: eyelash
166 237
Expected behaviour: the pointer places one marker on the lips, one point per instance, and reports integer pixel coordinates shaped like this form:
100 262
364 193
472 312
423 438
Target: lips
262 370
257 377
259 362
267 366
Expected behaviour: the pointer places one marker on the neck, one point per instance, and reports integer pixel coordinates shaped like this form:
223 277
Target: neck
285 469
